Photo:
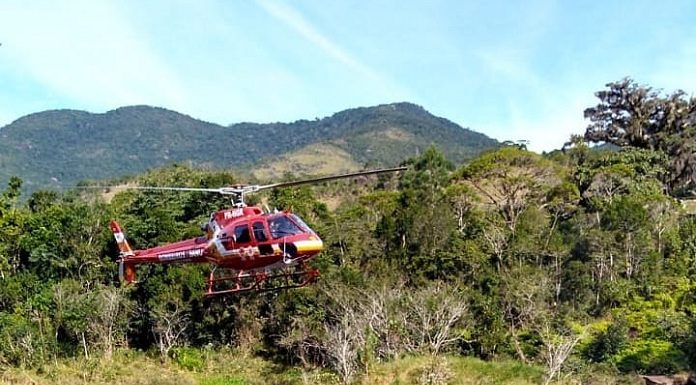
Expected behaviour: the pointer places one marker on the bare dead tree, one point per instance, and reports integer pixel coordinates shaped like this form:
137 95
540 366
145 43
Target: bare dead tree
378 310
557 349
431 318
497 239
108 323
382 323
170 324
345 331
343 343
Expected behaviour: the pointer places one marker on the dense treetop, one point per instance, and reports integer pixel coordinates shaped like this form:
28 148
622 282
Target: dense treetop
630 114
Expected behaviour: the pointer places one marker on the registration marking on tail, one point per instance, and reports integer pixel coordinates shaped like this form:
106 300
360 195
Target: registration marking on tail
180 255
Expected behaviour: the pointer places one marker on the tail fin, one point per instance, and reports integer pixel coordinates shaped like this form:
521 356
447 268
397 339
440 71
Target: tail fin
123 245
126 271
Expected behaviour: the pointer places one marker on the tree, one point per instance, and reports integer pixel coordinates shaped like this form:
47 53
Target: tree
424 222
170 321
557 349
526 294
67 239
97 318
9 197
434 314
343 342
510 180
605 175
625 116
627 218
633 115
507 182
11 227
109 322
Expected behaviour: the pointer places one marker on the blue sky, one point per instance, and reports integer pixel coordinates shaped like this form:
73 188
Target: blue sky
514 70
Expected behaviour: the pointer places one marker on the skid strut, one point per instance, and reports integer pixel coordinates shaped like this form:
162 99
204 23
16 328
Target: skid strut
238 281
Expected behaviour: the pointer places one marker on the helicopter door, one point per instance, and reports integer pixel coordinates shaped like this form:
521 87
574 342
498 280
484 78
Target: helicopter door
259 232
261 237
241 236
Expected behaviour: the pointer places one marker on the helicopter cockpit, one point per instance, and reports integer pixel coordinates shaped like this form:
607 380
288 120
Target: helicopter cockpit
281 225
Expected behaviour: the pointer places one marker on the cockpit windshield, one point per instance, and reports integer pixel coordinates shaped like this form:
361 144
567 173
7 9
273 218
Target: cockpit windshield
301 223
282 226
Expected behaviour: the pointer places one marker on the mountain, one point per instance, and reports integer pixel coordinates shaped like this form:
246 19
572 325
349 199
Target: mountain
62 147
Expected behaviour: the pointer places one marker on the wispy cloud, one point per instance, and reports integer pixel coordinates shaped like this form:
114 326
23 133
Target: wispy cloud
86 52
295 20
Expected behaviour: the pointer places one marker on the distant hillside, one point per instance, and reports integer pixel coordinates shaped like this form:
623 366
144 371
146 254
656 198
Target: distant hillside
62 147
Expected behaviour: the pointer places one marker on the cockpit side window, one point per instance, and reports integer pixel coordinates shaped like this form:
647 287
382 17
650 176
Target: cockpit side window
241 234
282 226
259 232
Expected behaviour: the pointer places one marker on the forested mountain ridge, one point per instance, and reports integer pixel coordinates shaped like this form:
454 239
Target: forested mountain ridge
65 146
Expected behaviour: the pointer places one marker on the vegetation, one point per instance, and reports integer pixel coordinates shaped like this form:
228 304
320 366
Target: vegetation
573 267
229 368
61 148
630 114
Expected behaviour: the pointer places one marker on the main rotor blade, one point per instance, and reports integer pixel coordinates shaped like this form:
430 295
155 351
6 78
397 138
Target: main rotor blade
248 189
327 178
222 190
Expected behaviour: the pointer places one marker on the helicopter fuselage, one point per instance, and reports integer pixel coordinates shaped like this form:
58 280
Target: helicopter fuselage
243 239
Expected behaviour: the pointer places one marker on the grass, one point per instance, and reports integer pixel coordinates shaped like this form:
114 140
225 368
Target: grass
689 205
191 367
316 159
455 370
203 367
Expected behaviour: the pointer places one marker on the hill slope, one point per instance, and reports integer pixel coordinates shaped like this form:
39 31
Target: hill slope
62 147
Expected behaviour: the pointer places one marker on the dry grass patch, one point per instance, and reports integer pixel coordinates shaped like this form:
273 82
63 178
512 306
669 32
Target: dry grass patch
317 159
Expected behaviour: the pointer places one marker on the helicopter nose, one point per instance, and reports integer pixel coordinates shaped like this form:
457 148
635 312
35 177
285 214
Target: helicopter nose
311 245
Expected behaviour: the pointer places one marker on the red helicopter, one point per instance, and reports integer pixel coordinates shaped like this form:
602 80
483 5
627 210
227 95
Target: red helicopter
250 249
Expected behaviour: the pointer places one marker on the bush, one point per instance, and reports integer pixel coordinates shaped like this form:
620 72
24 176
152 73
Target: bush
188 358
607 343
651 356
22 342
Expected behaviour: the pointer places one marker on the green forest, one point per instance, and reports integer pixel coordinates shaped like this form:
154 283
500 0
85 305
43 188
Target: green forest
574 267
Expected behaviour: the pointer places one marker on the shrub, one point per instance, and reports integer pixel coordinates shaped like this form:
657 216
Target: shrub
188 358
607 343
650 356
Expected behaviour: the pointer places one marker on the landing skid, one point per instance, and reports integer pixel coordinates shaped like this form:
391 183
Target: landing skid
228 281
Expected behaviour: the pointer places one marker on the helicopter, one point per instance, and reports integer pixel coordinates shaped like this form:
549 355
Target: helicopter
249 249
